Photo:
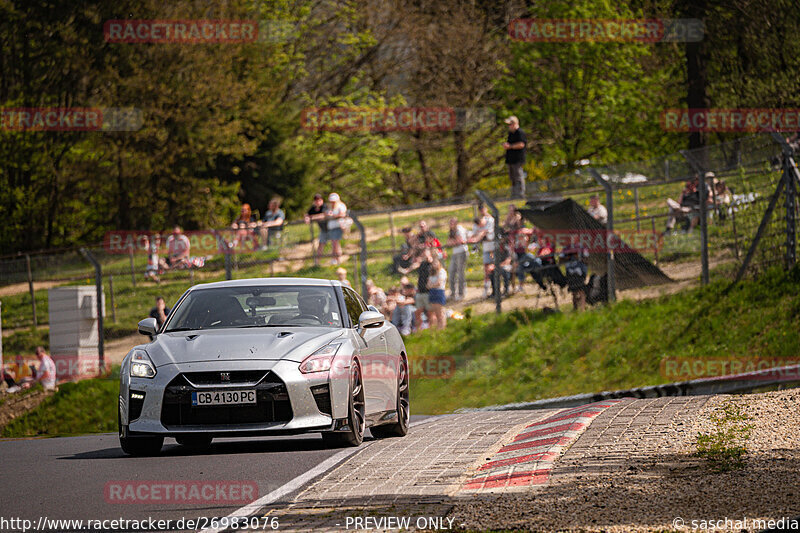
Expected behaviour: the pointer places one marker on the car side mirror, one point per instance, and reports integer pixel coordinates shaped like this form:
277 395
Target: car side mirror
370 319
148 326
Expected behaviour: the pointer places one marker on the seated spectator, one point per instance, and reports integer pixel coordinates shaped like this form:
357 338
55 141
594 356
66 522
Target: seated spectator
529 263
341 275
390 304
576 272
178 246
375 295
160 312
437 281
272 223
244 225
46 373
405 309
402 261
597 210
8 379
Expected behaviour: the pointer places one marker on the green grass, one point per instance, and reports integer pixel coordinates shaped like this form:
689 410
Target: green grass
88 406
526 355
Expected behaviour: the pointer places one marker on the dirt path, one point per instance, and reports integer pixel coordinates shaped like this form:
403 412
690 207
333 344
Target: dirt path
19 288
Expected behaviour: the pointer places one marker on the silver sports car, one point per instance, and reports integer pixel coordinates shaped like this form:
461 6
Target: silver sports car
264 357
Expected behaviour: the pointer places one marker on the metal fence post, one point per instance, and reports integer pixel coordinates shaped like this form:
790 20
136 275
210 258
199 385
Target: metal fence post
363 252
391 231
98 279
133 270
611 283
498 297
30 289
228 273
111 290
703 215
636 200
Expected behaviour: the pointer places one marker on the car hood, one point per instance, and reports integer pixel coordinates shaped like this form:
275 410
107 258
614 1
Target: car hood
267 344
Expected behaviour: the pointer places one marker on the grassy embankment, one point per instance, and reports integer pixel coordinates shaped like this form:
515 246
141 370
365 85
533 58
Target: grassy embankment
526 355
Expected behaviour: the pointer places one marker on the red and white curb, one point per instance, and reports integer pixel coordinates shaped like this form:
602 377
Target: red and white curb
529 457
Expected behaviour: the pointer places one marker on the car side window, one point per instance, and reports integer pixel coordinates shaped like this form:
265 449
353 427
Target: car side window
352 304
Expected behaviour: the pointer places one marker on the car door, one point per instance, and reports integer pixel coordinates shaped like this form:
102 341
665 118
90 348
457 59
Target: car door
373 349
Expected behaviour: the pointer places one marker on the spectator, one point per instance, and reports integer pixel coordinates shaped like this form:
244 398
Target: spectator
402 261
244 225
576 271
375 295
483 232
598 210
530 263
272 223
8 379
405 308
316 213
687 209
457 241
153 242
341 275
160 312
390 304
437 281
516 239
515 156
422 265
178 246
337 211
46 373
504 259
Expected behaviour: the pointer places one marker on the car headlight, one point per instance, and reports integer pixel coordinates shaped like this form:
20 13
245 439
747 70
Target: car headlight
141 365
321 360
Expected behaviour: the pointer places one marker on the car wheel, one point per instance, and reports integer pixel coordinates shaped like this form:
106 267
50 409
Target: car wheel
137 446
195 442
399 428
356 420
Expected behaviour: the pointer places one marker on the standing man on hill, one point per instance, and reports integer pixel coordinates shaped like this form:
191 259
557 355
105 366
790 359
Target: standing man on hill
515 156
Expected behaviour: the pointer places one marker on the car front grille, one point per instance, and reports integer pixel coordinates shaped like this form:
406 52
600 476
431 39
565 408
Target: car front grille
233 377
272 404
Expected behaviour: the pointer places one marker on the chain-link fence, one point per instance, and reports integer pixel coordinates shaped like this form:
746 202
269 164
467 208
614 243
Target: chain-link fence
711 237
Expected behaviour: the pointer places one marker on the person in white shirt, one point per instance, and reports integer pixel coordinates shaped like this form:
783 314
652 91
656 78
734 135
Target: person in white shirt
46 374
457 241
337 212
483 232
437 281
598 210
177 250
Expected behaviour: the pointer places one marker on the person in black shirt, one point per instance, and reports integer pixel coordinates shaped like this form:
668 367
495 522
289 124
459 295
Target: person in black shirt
316 213
160 312
515 156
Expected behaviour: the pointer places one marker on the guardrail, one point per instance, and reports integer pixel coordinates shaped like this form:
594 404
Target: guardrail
697 387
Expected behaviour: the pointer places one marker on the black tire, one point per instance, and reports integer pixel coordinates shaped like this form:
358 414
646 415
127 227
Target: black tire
195 442
356 417
399 428
137 446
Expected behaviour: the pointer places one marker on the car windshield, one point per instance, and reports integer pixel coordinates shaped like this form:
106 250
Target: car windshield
256 306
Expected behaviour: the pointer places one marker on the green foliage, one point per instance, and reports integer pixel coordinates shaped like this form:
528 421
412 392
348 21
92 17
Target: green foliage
726 447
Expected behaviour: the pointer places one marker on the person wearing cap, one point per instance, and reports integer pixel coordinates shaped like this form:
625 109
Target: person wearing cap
598 210
515 156
337 211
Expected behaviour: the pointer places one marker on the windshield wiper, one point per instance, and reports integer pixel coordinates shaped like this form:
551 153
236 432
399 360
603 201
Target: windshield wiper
266 326
181 329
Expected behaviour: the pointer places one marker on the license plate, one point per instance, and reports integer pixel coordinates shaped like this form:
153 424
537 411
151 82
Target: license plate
223 397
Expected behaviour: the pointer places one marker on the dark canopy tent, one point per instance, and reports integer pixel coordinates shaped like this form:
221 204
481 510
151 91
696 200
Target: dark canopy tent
631 270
